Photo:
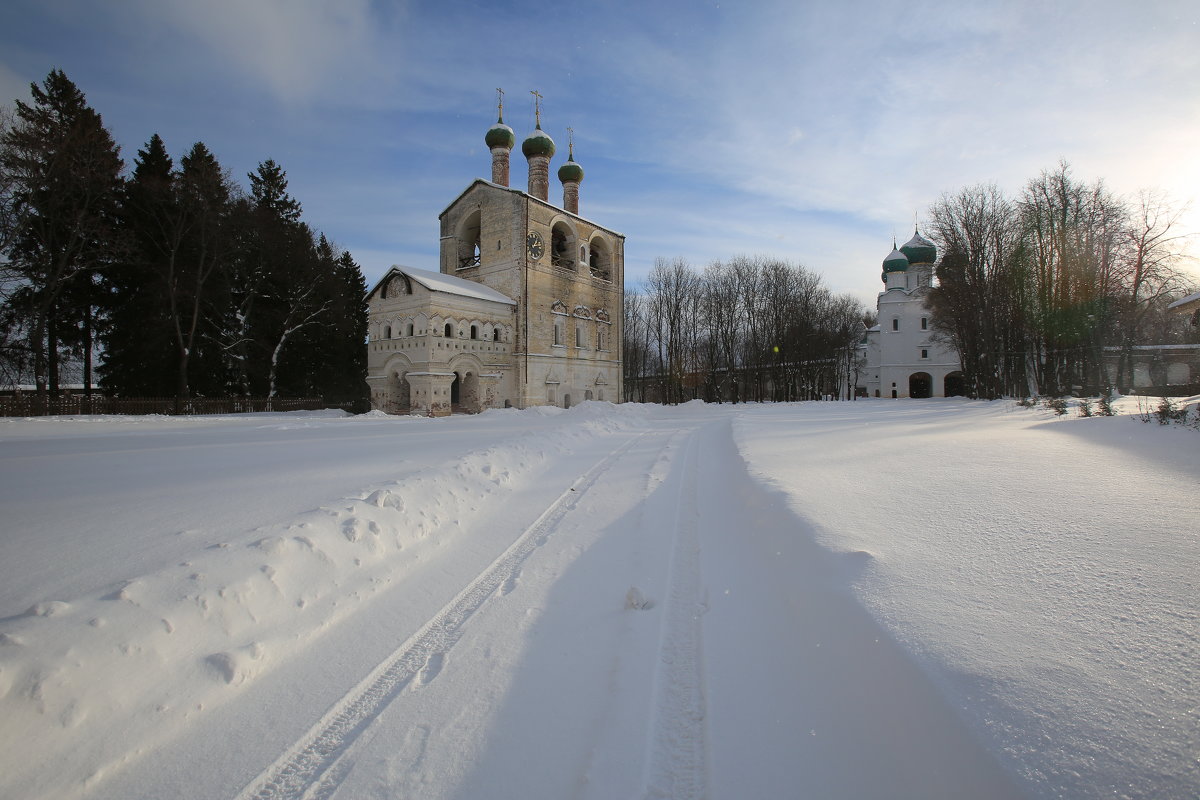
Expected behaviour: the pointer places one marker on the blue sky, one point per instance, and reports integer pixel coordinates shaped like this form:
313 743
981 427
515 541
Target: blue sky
810 131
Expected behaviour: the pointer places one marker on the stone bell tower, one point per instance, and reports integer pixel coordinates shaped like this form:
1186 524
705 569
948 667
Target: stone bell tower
561 343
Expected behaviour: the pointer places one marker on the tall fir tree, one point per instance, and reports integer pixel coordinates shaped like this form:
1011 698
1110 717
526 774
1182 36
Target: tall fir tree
196 278
292 294
64 170
139 356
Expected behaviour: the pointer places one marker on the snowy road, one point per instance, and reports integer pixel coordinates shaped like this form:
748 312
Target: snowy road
599 603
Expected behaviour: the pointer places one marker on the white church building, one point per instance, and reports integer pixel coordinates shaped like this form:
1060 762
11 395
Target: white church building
901 356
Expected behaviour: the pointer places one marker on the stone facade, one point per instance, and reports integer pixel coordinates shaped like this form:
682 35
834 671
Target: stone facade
542 289
434 344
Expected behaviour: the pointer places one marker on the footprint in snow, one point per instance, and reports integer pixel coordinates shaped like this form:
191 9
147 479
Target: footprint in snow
431 670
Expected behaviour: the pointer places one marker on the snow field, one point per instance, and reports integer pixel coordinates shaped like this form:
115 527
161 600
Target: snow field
912 599
1042 569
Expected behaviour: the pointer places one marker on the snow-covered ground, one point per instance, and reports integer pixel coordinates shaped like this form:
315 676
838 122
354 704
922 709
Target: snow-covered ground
879 599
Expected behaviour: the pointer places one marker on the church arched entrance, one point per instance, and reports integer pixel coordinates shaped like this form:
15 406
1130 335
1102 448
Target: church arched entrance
394 396
455 391
470 393
920 385
955 385
401 392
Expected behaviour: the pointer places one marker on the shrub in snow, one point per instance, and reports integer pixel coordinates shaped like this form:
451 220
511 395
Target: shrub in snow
1106 407
1166 413
1085 407
1057 404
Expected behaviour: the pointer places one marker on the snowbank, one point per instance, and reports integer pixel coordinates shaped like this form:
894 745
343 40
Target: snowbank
89 681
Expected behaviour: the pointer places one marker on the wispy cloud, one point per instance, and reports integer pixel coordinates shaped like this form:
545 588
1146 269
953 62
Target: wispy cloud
301 51
804 130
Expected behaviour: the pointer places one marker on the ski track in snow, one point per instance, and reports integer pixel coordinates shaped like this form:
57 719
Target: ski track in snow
676 765
315 766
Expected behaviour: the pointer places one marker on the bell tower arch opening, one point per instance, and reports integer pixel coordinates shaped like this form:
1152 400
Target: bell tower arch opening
562 246
468 240
600 259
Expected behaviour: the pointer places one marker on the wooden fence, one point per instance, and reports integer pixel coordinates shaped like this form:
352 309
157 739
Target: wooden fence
26 405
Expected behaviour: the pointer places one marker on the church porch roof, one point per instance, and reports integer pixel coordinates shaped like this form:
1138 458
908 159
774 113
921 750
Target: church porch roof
448 284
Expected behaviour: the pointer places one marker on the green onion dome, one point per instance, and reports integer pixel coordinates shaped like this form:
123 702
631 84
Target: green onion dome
895 262
539 143
570 171
919 250
500 135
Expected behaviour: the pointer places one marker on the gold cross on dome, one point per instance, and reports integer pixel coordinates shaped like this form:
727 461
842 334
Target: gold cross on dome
537 106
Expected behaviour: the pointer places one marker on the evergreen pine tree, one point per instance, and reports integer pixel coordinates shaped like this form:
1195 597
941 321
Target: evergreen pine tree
196 278
63 169
139 351
292 295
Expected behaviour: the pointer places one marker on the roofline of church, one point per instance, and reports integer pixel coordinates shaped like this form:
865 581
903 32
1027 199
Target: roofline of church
394 268
527 195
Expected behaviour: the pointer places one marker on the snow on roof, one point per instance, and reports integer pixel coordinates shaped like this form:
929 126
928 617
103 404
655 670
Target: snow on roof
440 282
1186 302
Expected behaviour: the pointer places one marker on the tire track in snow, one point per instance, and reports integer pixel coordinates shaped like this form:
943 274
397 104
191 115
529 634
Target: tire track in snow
677 759
320 760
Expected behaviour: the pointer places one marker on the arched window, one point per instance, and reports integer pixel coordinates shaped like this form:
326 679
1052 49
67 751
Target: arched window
468 241
600 339
387 332
410 329
474 332
495 334
558 332
449 329
579 336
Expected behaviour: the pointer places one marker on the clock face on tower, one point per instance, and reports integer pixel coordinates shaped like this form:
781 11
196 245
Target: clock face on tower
535 245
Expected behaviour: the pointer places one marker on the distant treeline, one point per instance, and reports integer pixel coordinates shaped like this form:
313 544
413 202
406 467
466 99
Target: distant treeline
182 281
1032 289
744 329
